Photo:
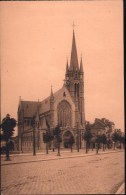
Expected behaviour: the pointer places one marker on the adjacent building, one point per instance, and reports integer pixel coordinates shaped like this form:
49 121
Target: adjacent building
101 126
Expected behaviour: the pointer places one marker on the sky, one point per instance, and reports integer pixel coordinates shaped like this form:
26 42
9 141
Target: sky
36 40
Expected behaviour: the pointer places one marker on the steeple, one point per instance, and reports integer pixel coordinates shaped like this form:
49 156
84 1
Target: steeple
51 95
81 66
74 58
74 81
67 67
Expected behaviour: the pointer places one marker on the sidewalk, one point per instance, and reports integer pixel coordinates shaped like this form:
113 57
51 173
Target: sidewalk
27 158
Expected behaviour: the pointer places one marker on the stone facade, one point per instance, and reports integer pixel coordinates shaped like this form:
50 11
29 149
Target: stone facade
64 107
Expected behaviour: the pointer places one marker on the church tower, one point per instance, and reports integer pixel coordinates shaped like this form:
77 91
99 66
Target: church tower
74 78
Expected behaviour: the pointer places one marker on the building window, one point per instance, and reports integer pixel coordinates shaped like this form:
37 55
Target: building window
64 114
28 122
64 94
76 90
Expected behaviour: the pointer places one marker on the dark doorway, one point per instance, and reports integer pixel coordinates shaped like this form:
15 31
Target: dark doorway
67 139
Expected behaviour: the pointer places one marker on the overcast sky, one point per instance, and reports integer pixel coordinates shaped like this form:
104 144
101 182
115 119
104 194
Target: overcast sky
36 40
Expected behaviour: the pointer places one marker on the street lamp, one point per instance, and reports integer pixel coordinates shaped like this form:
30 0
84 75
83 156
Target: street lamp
33 126
77 137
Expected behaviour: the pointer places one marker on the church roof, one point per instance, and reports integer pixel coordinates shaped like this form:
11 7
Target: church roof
61 91
29 108
45 104
58 92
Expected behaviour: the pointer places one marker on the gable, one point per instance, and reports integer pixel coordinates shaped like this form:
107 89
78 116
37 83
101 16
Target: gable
29 108
63 94
44 105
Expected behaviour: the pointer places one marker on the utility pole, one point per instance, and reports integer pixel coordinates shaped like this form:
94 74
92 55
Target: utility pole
77 138
80 137
33 126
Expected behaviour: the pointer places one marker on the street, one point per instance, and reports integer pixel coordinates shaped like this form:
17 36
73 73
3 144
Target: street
94 174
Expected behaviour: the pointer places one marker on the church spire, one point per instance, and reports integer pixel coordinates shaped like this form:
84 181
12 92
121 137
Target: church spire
74 58
67 67
51 95
81 66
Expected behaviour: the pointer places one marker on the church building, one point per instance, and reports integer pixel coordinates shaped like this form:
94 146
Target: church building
65 107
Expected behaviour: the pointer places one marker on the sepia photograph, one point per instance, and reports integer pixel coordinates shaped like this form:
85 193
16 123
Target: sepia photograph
62 125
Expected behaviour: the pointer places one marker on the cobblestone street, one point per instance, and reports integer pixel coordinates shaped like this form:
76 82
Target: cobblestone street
91 174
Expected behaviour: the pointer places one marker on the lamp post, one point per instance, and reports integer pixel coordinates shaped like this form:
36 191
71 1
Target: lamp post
33 126
53 141
77 138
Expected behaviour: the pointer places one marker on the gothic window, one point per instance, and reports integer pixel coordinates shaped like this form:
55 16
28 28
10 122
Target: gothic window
76 74
28 122
64 94
64 114
76 90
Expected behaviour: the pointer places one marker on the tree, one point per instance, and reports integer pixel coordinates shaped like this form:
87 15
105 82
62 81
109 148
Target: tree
57 134
71 142
47 137
92 142
115 137
8 125
87 138
109 143
98 141
103 140
123 141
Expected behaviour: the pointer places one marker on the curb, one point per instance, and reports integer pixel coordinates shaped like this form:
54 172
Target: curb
44 153
121 189
55 158
28 154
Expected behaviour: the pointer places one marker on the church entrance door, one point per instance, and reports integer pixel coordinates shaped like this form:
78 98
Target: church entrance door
67 139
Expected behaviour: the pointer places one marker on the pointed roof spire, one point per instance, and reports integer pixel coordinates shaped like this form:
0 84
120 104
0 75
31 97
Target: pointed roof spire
51 95
81 65
67 67
74 58
19 98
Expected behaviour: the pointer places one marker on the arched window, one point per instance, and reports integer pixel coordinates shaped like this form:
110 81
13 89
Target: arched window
64 114
76 74
76 90
28 122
